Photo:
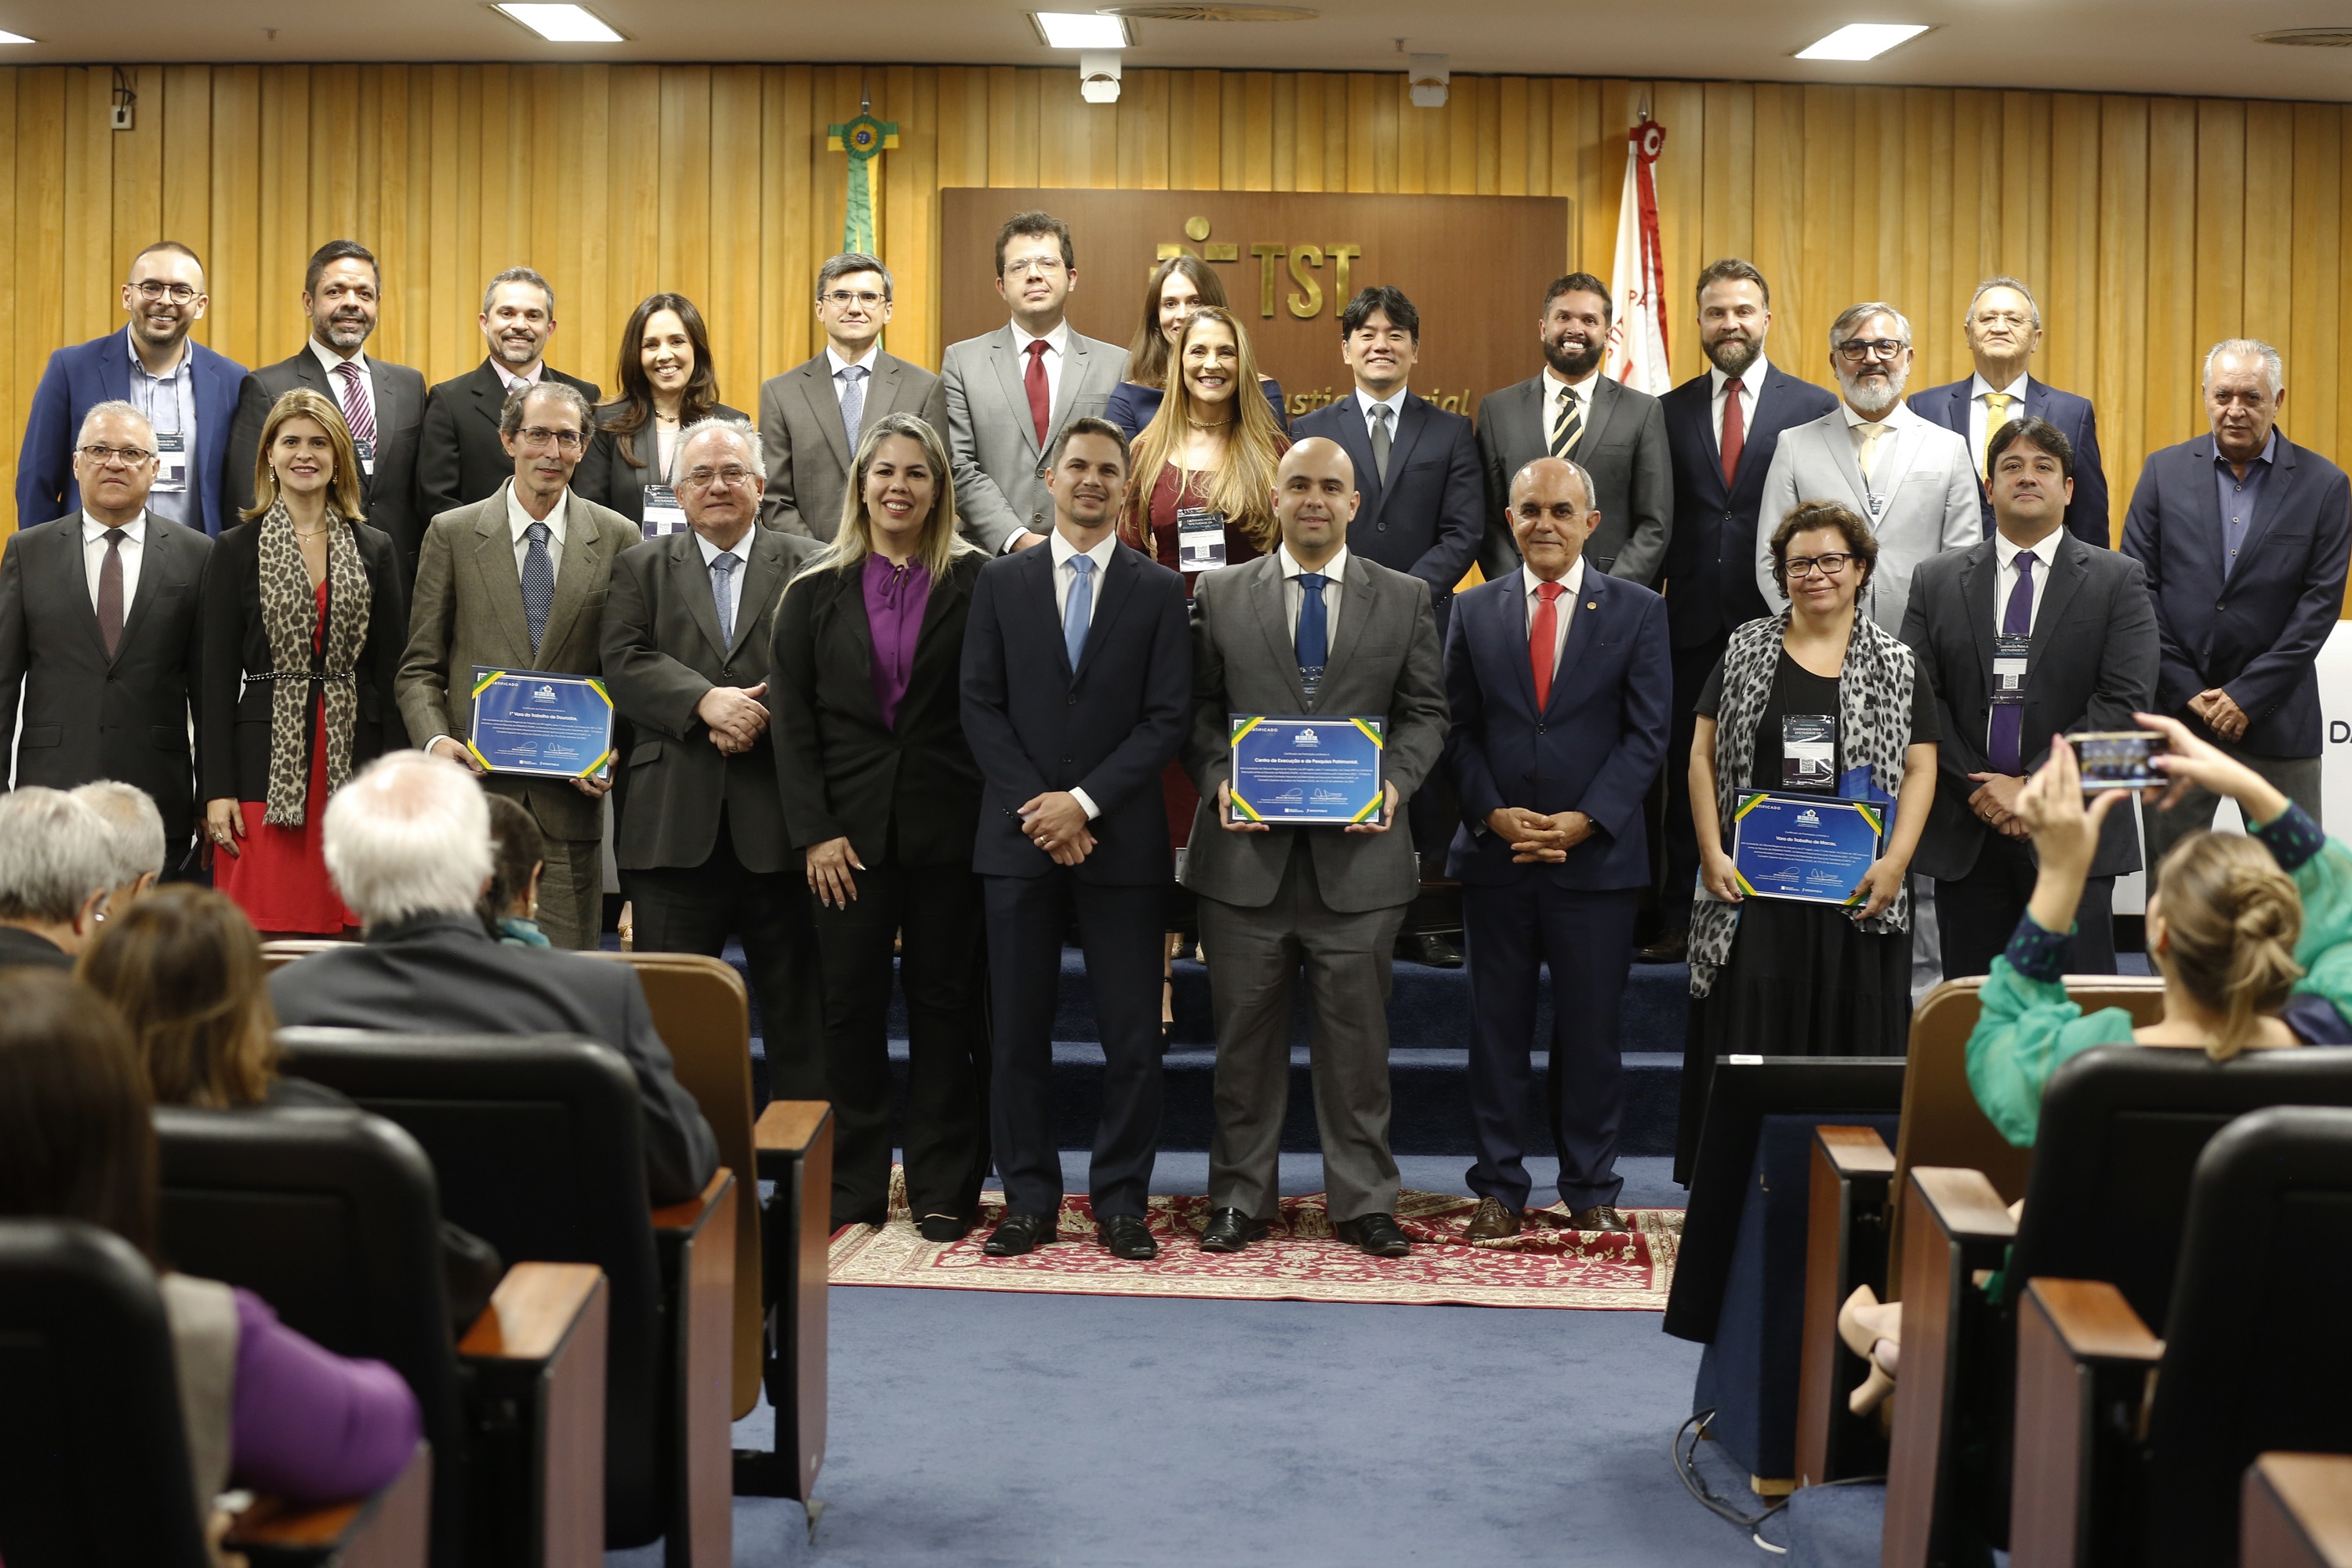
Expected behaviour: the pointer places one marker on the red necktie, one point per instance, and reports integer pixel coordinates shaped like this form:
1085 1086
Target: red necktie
1735 431
1541 636
1041 403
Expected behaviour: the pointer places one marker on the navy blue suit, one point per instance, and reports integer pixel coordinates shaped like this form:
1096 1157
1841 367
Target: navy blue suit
1426 520
96 372
1109 728
2087 514
1594 748
2257 635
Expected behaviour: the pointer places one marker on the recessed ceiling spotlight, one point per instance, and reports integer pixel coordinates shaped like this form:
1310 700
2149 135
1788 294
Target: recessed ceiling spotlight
1862 40
563 24
1081 30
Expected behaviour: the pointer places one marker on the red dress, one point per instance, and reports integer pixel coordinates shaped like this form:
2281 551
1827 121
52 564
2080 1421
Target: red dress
279 878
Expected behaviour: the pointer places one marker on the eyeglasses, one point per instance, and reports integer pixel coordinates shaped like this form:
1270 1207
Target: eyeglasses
99 456
846 297
1047 265
2003 319
730 475
178 293
1798 566
1859 349
540 435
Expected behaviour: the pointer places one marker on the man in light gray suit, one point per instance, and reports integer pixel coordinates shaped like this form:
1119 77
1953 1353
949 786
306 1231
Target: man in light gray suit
1914 482
1010 392
811 417
1569 409
1310 629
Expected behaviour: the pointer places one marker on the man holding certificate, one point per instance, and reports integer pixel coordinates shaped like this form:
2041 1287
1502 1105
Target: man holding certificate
1318 707
503 649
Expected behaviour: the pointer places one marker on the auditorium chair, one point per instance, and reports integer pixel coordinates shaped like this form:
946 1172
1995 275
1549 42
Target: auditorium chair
2121 1131
538 1144
334 1218
2296 1512
2134 1449
93 1454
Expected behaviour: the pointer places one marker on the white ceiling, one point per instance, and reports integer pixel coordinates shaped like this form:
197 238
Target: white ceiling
2194 47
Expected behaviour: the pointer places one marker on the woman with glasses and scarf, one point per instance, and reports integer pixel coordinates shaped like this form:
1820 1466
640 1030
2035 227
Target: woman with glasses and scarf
1820 700
305 617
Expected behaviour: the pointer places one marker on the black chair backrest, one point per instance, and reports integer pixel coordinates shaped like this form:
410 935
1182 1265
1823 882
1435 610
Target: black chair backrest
2122 1127
539 1149
2255 1353
93 1457
333 1218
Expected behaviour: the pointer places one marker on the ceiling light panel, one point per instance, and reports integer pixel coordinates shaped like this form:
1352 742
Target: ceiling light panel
563 24
1862 40
8 37
1081 30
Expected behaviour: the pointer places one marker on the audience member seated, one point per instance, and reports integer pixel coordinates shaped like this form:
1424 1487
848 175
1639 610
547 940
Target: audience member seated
57 863
408 844
136 828
264 1407
509 907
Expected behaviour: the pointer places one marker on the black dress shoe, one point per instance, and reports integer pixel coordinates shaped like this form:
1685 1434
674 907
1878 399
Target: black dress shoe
1672 947
1429 947
1376 1234
1020 1232
1230 1230
943 1227
1125 1236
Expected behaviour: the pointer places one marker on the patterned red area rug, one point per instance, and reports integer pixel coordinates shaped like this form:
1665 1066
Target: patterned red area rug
1301 1261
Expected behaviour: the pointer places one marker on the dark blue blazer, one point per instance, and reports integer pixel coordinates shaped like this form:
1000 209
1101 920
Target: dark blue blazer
1594 748
2087 514
93 372
1710 570
1132 404
1427 520
2256 635
1112 727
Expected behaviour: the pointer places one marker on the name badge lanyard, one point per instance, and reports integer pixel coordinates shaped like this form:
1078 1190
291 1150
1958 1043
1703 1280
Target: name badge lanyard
172 446
663 515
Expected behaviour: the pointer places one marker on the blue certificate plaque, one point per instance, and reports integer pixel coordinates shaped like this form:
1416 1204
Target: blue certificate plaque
1307 772
1814 848
550 726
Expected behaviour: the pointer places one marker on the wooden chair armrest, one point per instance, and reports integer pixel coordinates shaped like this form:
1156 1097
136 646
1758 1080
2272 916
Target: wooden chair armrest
1845 1246
691 1215
1854 1151
1964 1204
389 1530
538 1357
2296 1512
2081 1349
2092 1322
788 1126
532 1311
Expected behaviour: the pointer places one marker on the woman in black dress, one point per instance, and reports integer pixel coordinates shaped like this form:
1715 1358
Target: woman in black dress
667 383
1818 698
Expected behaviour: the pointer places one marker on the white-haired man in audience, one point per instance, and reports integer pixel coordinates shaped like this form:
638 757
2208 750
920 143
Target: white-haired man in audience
135 829
57 862
408 846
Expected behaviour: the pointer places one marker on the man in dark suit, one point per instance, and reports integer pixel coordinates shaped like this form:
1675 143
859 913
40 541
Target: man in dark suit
100 632
1309 630
57 858
1078 682
811 417
382 403
2004 329
2245 537
1560 682
459 456
700 842
2031 633
1721 427
1570 410
408 844
185 392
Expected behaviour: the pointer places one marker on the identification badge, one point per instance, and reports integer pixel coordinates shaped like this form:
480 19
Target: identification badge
1877 506
1200 539
171 462
664 516
1808 751
2009 670
367 455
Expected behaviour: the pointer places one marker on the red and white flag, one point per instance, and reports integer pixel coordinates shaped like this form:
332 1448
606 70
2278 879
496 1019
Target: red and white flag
1637 340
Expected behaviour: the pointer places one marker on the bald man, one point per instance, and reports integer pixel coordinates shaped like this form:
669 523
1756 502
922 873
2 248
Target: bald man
1308 630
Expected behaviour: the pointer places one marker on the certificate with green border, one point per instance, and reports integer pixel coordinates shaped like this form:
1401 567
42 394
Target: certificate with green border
541 724
1814 848
1307 772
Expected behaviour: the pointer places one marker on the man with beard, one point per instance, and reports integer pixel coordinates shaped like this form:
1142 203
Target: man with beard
1570 410
184 389
461 458
1722 429
383 404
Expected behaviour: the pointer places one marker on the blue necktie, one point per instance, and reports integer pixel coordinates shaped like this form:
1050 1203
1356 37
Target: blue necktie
1081 609
538 581
2009 718
722 572
1314 634
852 401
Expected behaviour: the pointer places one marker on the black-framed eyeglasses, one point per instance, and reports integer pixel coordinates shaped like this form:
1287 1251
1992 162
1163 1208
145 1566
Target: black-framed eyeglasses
540 435
98 455
846 297
1859 349
153 289
1798 566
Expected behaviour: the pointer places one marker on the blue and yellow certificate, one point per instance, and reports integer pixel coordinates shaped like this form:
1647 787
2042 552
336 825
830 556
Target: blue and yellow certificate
550 726
1815 848
1307 772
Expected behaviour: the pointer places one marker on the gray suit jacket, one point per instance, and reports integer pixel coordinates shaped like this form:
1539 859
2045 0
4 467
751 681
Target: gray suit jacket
1927 486
1384 660
805 445
993 441
468 611
1623 448
396 395
662 653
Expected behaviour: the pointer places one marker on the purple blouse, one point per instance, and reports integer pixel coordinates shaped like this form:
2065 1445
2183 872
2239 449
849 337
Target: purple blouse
895 598
309 1423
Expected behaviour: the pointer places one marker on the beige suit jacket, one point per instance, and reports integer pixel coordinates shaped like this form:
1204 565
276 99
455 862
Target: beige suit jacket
805 445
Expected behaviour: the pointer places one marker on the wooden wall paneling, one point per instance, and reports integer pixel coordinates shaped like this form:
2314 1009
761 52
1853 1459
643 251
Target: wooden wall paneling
2343 433
2069 289
2313 307
732 259
2172 333
2120 319
2219 231
2273 225
281 172
1256 151
910 231
187 204
23 352
233 269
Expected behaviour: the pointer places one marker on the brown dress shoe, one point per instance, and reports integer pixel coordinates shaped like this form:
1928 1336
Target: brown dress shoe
1492 1222
1599 1217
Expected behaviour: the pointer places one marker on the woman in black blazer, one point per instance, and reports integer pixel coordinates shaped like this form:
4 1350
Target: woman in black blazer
305 615
882 797
666 383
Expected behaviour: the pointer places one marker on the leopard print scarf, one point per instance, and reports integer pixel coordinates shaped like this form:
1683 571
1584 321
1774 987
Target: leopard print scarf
290 618
1873 731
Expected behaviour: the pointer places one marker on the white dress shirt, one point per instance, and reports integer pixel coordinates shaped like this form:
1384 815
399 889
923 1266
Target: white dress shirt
1752 383
1562 608
1057 345
742 551
1292 595
1553 387
866 362
517 520
1366 403
2004 583
1063 578
1979 389
93 557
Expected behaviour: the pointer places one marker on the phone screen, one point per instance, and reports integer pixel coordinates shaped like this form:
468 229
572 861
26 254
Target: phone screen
2119 759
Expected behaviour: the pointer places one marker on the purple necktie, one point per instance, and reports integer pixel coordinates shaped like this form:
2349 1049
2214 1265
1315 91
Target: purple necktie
2009 718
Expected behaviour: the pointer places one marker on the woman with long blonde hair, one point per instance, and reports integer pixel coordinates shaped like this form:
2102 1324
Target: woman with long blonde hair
1208 451
1179 286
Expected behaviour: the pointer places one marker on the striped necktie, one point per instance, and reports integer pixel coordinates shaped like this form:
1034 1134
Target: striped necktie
1567 424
